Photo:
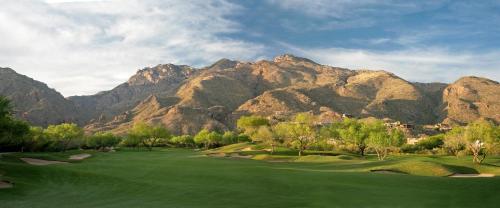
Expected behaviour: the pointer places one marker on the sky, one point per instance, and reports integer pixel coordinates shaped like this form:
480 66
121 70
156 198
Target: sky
81 47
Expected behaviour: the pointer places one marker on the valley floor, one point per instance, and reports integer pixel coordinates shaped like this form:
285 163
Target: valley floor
187 178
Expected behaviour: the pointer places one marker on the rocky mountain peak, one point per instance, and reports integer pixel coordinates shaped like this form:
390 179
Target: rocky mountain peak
153 75
289 58
7 70
186 100
223 64
474 79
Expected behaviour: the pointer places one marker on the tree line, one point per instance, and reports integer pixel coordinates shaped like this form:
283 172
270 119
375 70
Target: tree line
305 132
302 132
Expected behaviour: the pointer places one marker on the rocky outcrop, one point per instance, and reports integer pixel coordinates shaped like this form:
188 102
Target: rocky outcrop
161 80
471 98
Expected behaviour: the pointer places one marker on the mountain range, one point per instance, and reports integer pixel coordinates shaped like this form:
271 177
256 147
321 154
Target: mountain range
186 99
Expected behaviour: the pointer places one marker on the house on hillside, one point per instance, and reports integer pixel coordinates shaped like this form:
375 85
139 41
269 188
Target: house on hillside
414 140
345 115
407 129
442 127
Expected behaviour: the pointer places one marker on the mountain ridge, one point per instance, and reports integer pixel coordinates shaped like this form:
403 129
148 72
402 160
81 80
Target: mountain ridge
186 99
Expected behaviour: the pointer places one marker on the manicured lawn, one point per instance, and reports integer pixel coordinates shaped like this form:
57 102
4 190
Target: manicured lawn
185 178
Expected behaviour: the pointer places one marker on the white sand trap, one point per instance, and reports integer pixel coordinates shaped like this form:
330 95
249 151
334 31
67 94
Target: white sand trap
5 184
236 155
33 161
247 149
482 175
80 156
217 154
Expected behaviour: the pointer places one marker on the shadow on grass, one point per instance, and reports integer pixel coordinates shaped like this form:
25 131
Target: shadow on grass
489 164
461 169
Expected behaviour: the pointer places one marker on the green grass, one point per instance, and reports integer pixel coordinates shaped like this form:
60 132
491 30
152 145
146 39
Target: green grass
186 178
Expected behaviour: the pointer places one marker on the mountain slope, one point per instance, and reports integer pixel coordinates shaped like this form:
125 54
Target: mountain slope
471 98
218 95
34 101
186 99
158 80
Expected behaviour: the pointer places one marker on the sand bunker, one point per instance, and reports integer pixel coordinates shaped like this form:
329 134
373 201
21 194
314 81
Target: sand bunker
79 156
34 161
236 155
5 184
217 155
482 175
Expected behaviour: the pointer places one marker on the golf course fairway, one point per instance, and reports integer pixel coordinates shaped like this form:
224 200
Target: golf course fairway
187 178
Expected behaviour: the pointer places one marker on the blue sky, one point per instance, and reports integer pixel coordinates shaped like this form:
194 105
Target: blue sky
85 46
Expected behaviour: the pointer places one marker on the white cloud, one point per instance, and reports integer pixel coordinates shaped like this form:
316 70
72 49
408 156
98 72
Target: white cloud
81 47
417 64
348 9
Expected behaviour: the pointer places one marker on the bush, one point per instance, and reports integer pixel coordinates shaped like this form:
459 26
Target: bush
147 135
432 142
424 146
131 141
229 138
409 148
102 140
36 140
64 136
182 141
12 131
208 139
243 138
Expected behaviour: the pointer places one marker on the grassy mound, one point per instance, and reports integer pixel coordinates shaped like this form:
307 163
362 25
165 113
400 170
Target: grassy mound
420 168
326 159
245 146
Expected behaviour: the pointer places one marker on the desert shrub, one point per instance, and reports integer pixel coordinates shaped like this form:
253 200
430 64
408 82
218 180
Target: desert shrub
149 136
243 138
182 141
430 143
208 139
229 138
64 136
36 140
102 140
409 148
130 141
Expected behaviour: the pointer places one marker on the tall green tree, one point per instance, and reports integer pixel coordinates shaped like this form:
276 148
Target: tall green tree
12 131
300 133
102 140
183 141
36 140
269 136
331 131
454 140
355 133
229 138
148 135
481 138
208 139
381 139
64 134
250 124
5 107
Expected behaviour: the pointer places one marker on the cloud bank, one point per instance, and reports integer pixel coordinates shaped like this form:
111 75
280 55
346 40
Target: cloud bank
82 47
85 46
